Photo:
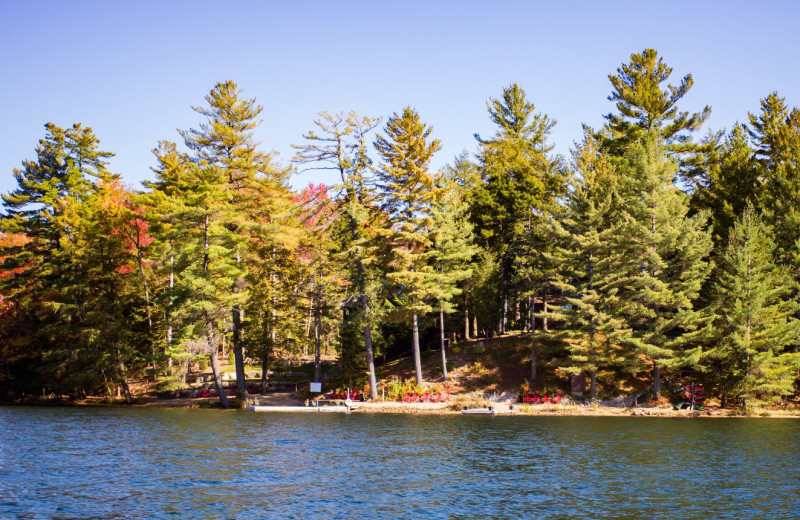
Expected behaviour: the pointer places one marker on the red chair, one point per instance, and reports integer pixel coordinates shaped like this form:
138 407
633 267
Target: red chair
545 399
556 399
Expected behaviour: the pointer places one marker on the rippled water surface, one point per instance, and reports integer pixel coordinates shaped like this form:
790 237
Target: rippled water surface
161 463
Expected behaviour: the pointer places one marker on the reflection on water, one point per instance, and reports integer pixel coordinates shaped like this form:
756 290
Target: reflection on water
161 463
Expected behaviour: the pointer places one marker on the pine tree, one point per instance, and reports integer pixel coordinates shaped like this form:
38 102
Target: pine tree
409 192
661 257
584 255
520 181
102 306
776 134
645 107
258 192
68 164
341 145
732 183
754 318
451 254
205 246
482 292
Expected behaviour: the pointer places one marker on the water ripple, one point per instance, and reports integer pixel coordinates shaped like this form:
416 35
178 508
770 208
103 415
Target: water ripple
147 463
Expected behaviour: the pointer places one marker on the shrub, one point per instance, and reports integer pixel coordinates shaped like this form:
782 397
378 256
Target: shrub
202 362
397 388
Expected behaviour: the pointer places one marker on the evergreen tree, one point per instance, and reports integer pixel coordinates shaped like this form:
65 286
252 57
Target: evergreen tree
482 292
776 134
644 107
257 191
754 318
733 183
206 248
451 254
68 164
584 255
341 145
520 182
102 307
661 259
409 192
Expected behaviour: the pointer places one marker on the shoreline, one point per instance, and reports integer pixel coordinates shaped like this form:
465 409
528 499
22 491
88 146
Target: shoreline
396 407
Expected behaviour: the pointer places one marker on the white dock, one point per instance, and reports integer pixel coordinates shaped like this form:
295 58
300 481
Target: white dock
299 408
502 409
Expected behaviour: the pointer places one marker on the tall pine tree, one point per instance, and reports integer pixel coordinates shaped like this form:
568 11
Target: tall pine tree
409 192
754 318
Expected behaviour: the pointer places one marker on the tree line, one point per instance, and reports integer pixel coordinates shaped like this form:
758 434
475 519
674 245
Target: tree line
649 251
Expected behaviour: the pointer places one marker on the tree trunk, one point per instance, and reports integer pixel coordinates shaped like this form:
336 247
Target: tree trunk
656 380
223 399
475 326
415 349
517 315
466 318
238 352
592 331
544 311
441 342
530 313
264 372
140 259
373 384
317 343
308 322
533 351
123 375
504 318
169 310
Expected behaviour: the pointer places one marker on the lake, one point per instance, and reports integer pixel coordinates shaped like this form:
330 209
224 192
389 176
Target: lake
196 464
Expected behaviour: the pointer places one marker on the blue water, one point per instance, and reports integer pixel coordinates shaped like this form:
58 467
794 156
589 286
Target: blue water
197 464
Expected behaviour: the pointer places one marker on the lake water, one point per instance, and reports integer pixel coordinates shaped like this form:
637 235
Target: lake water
196 464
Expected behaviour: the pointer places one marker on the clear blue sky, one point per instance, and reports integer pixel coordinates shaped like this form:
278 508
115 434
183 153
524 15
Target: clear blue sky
131 70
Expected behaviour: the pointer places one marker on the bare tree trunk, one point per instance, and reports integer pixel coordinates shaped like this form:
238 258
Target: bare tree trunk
123 375
533 350
441 342
466 318
264 372
415 349
140 259
592 352
373 384
171 301
238 352
475 326
656 380
517 315
530 312
504 318
544 310
308 320
317 345
223 399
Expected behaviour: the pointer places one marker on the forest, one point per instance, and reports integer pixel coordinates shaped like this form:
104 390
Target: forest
657 249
